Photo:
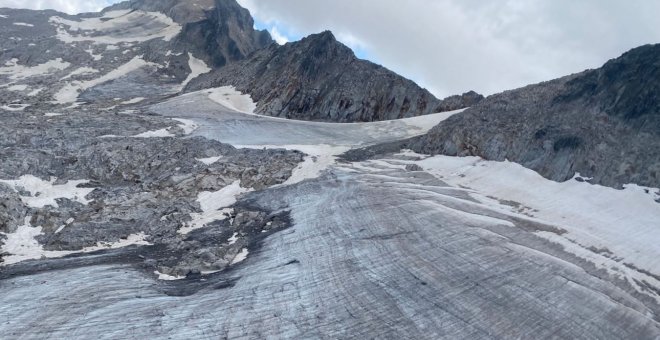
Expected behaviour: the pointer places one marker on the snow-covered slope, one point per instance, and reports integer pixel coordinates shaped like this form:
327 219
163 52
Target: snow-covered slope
124 201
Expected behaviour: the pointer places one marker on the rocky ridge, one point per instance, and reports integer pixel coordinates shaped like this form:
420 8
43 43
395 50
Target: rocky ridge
318 78
219 30
603 124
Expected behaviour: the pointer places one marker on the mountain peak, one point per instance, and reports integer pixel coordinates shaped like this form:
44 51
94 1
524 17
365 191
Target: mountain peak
326 36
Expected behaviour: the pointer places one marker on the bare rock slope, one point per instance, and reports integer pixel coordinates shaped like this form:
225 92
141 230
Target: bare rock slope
318 78
603 124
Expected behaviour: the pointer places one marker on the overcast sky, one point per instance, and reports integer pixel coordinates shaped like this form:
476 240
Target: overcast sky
452 46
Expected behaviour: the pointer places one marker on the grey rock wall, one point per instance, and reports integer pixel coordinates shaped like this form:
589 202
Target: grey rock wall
602 123
320 79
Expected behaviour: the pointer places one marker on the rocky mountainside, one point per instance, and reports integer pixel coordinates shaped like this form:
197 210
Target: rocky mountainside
318 78
132 51
603 124
221 30
132 206
173 42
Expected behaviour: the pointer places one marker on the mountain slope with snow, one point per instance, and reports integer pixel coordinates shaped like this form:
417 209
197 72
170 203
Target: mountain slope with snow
603 124
150 187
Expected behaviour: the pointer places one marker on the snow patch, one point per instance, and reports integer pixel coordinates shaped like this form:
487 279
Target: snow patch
70 92
35 92
133 101
214 206
187 125
165 277
318 159
116 27
427 122
22 245
14 107
232 99
43 193
80 71
17 88
233 239
162 133
197 68
20 72
240 257
210 160
620 223
69 221
96 57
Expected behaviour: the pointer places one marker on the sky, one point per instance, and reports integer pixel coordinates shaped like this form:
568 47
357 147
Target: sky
453 46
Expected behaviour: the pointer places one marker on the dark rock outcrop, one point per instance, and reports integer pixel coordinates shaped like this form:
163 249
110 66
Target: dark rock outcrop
221 30
318 78
458 102
602 123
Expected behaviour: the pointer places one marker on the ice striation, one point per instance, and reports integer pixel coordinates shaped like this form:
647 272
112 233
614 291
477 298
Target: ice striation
152 185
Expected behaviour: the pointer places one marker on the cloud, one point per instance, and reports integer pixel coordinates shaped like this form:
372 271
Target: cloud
66 6
277 36
451 46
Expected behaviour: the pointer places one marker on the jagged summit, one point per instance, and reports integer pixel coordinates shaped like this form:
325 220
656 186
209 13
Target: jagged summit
165 44
319 78
222 30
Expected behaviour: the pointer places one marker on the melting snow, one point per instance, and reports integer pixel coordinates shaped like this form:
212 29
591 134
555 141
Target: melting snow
621 223
35 92
70 92
233 239
133 101
19 72
155 134
188 125
115 27
240 257
17 88
43 193
214 206
166 277
96 57
232 99
210 160
22 245
319 158
14 107
80 71
197 68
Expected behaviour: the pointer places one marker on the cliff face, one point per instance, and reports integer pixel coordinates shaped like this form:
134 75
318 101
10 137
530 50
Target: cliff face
221 30
602 123
318 78
226 35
